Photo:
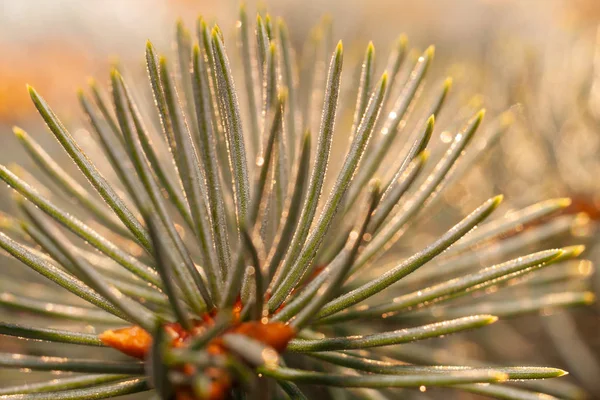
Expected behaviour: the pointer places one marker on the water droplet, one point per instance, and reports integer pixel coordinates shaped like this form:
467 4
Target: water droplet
446 137
270 357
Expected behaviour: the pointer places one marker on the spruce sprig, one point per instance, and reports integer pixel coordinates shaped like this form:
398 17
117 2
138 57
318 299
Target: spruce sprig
225 270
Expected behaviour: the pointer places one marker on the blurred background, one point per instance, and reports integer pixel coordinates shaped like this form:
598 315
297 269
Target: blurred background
540 59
